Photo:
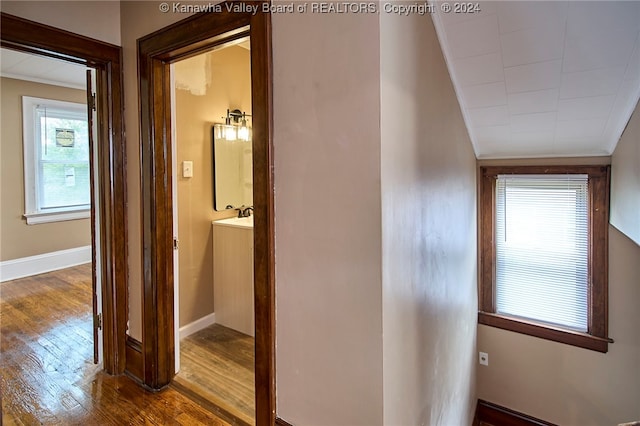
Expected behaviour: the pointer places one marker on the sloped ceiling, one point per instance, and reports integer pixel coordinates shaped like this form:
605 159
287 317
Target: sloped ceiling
544 79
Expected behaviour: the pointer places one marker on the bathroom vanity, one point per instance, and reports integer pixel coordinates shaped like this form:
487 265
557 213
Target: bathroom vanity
233 273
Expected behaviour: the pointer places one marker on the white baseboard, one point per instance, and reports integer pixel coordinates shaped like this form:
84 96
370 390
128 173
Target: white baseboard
34 265
197 325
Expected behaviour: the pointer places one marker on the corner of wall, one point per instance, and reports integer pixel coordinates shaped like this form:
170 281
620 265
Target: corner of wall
625 180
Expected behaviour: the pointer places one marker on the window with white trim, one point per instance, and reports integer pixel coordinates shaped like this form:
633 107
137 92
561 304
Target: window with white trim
56 160
544 252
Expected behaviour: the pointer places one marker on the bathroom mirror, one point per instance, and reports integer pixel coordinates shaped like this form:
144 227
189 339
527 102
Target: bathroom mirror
232 170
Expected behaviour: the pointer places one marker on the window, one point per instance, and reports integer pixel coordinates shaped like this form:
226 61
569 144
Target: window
56 160
544 247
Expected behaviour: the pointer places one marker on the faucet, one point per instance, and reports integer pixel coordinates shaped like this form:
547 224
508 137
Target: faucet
244 212
247 212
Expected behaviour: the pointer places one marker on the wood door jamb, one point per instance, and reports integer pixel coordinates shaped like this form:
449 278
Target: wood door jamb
155 51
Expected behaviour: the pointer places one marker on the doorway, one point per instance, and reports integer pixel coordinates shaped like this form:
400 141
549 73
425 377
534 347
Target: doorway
49 141
107 210
156 53
213 255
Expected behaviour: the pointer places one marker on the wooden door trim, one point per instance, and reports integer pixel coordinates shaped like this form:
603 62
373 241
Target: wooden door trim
155 52
28 36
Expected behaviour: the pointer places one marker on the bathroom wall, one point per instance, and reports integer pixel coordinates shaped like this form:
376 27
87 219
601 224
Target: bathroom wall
206 85
428 232
18 239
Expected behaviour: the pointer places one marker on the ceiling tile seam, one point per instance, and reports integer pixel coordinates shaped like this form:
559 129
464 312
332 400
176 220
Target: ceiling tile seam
457 58
563 37
533 63
469 16
503 74
523 92
597 69
552 58
635 49
616 93
484 83
565 14
464 86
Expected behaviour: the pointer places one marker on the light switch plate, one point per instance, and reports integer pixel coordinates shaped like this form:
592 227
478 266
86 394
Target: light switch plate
187 169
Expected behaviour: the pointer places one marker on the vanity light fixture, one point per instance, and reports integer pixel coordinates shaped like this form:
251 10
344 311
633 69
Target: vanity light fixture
234 127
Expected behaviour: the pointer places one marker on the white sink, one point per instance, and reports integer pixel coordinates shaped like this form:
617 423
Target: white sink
238 222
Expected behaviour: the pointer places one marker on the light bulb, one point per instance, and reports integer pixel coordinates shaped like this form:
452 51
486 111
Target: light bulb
219 131
243 133
230 133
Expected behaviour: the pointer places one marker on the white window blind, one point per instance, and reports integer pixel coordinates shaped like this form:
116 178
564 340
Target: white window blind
542 248
63 166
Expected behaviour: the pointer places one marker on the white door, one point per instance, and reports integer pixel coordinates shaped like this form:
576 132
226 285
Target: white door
176 245
95 220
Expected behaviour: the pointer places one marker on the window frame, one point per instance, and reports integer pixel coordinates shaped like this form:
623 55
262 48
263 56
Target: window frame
596 338
33 213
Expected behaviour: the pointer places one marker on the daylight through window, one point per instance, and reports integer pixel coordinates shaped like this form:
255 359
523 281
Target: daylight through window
56 143
542 248
543 252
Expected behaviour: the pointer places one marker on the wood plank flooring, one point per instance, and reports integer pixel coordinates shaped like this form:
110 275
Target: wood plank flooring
217 364
46 371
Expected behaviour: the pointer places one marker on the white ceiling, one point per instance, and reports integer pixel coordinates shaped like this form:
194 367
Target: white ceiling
25 66
543 79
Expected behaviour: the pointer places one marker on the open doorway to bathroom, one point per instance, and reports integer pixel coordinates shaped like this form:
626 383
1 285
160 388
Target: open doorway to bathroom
156 363
213 227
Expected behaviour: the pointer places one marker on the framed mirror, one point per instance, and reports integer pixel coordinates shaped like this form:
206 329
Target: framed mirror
232 162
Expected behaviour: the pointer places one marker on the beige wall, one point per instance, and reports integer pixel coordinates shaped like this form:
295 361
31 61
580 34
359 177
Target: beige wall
428 233
625 180
95 19
229 74
17 239
326 86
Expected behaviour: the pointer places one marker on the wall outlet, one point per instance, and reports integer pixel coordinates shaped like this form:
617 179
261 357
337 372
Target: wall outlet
483 358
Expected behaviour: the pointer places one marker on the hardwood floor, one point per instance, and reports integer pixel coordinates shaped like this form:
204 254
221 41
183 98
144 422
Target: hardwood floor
217 366
47 373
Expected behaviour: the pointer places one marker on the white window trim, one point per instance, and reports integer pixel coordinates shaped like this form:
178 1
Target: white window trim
36 218
32 214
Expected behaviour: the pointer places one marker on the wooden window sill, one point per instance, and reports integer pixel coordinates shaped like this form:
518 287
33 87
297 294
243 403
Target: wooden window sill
543 331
